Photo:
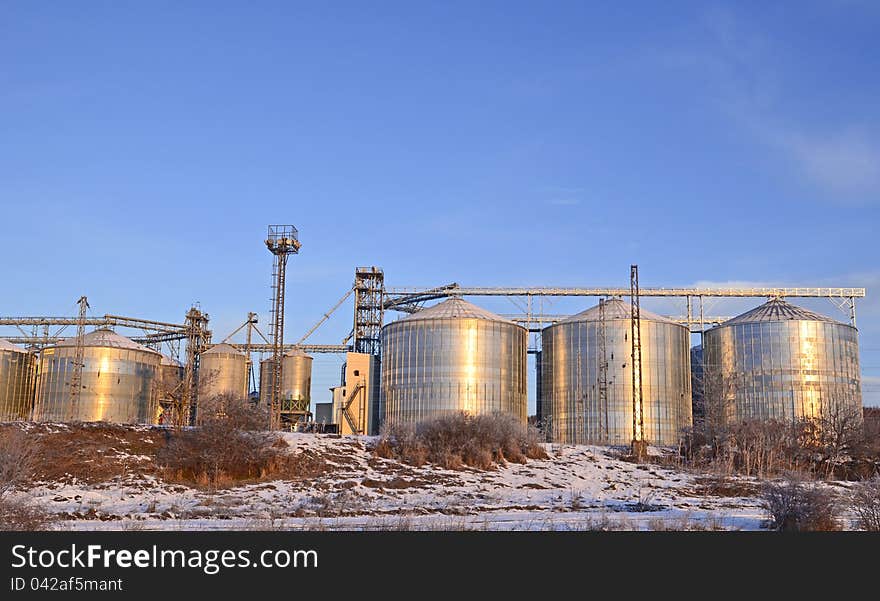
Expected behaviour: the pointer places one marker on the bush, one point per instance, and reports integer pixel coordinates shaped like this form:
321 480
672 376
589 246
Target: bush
18 458
20 515
480 441
795 506
865 503
226 446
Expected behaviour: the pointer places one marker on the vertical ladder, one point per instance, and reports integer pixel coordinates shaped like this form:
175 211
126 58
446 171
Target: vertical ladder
638 440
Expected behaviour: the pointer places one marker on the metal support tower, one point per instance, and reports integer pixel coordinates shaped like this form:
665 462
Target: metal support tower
639 445
79 356
282 241
197 337
251 321
369 296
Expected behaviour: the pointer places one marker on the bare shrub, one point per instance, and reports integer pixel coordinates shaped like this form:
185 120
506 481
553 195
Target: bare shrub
479 441
18 459
229 447
21 515
797 506
865 503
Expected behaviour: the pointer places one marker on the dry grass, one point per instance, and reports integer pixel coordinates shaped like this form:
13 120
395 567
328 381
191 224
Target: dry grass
87 452
21 515
453 442
722 486
687 523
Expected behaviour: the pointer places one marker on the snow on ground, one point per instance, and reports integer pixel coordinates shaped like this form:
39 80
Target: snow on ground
577 488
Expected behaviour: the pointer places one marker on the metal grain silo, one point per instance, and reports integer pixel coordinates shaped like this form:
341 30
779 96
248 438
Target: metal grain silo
296 379
223 370
781 362
572 377
170 387
453 357
18 369
118 382
171 373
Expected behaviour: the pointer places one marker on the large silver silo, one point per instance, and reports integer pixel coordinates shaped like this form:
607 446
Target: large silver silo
453 357
572 383
781 362
223 371
118 381
18 370
296 379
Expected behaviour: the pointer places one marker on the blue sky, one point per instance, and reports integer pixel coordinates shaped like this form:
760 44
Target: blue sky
145 146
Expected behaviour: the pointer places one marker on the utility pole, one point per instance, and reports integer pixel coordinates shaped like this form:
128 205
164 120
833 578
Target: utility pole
282 241
639 444
79 357
251 320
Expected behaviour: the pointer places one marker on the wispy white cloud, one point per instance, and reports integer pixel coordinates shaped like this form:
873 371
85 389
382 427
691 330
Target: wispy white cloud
839 158
845 163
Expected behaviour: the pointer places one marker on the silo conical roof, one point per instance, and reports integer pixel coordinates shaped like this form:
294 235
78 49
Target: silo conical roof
777 309
224 348
107 338
297 352
615 308
5 345
456 308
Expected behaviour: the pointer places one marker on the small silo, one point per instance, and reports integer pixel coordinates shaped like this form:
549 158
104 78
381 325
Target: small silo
18 369
781 362
223 370
171 373
118 381
571 375
170 387
296 379
453 357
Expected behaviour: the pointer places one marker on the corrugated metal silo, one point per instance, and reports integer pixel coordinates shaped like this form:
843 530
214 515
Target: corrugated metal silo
570 368
453 357
223 370
18 369
170 387
780 361
296 378
118 381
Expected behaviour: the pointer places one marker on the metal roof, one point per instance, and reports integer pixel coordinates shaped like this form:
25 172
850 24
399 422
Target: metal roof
615 308
104 337
777 309
456 308
224 348
5 345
